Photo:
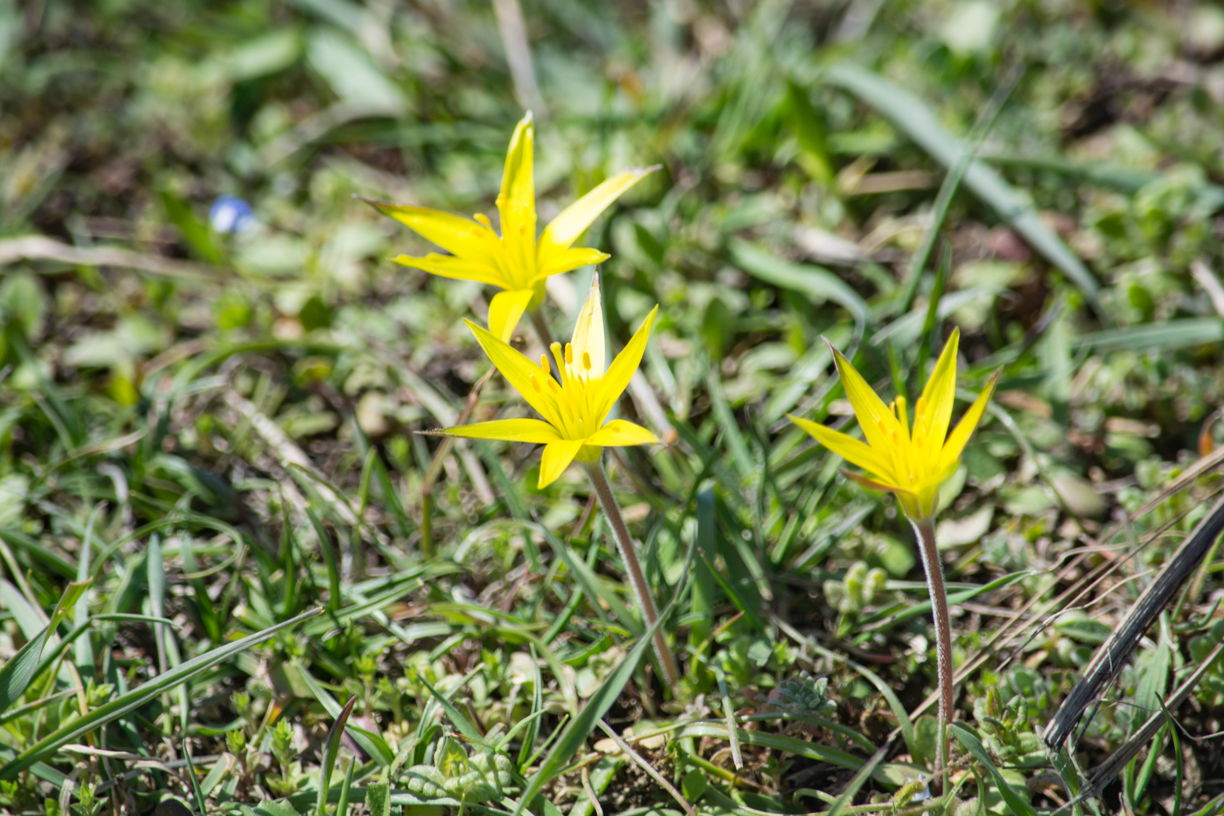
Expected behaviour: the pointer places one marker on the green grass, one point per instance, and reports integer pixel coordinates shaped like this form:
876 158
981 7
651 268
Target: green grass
215 585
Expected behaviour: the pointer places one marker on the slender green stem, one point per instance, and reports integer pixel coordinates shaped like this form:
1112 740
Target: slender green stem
924 530
637 579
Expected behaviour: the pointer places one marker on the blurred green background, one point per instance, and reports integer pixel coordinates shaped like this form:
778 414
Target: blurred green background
212 427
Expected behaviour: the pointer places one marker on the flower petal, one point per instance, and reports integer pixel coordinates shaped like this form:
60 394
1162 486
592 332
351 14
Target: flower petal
526 377
616 380
875 484
556 458
574 219
873 415
847 447
458 236
959 438
516 201
505 309
621 432
511 430
449 266
933 412
552 260
590 357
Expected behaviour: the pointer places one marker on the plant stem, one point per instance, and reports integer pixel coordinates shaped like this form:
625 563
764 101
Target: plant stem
924 530
624 543
541 328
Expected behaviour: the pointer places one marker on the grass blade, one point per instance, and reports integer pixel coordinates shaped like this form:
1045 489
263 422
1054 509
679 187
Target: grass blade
139 696
916 119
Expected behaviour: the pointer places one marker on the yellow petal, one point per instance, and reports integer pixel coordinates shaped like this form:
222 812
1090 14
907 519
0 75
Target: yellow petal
505 309
934 409
875 484
847 447
959 438
552 260
516 201
574 219
526 377
621 432
511 430
456 235
616 380
449 266
590 359
557 457
878 423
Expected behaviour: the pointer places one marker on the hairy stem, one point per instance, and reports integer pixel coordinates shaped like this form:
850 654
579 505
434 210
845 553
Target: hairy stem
624 543
924 530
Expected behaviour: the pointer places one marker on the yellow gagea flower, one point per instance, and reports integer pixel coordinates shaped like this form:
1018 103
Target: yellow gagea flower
516 261
576 409
910 461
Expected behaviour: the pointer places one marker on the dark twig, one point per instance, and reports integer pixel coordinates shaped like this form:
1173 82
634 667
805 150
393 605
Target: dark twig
1114 652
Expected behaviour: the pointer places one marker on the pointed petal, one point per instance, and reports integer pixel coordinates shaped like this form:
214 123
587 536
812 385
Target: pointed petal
458 236
552 260
590 358
574 219
516 201
847 447
505 309
526 377
873 415
449 266
959 438
621 432
875 484
934 409
616 380
511 430
557 457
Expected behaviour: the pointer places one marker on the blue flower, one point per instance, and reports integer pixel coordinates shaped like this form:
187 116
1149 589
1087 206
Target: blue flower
231 214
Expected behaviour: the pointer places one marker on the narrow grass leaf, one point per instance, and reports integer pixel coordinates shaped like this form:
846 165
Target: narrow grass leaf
1014 801
579 728
816 282
777 742
916 119
373 744
138 696
331 752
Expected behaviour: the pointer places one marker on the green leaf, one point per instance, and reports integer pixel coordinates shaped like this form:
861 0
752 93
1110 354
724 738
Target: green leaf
915 118
816 282
1015 802
331 753
137 697
352 74
576 733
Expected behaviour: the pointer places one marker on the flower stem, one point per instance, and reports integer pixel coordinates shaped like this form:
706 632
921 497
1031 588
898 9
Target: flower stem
624 543
924 530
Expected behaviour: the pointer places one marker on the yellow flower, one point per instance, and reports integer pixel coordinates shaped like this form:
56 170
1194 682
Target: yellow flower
911 462
575 409
515 261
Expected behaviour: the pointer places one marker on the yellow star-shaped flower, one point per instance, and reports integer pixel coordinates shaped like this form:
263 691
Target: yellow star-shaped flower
515 261
575 410
910 461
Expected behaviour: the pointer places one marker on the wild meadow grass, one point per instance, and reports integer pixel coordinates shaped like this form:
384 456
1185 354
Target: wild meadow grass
242 572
